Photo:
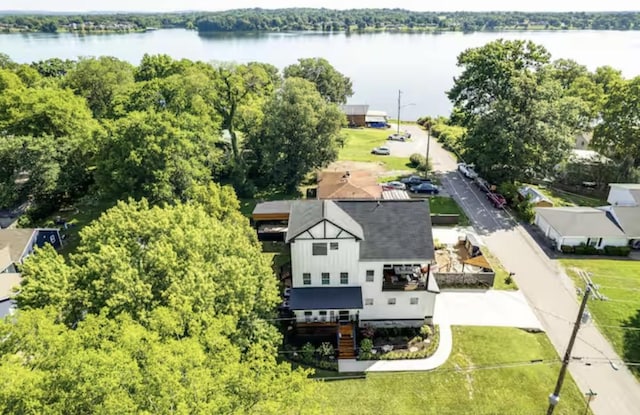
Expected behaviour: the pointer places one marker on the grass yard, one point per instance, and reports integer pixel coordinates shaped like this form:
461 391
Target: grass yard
562 198
618 280
500 282
446 205
450 390
359 143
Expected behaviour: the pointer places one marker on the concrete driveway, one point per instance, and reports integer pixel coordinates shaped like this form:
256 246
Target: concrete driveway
485 308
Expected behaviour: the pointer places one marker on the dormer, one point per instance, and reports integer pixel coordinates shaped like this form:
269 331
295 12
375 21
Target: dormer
322 219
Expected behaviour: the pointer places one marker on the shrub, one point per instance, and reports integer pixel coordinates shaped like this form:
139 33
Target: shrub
617 250
568 249
368 332
416 160
590 250
425 331
326 350
366 345
580 250
307 352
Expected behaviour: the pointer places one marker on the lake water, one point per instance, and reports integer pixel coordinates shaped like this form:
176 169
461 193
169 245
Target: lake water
379 64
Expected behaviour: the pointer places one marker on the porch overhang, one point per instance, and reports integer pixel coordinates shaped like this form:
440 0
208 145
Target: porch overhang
326 298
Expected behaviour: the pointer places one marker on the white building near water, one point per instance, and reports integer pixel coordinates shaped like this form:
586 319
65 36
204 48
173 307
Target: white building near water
362 261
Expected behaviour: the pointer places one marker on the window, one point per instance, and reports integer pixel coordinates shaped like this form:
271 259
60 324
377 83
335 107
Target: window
333 246
319 248
323 315
391 301
306 278
344 278
413 300
368 301
370 275
307 316
326 279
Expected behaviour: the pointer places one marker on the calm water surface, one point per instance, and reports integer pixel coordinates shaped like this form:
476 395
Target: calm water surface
421 65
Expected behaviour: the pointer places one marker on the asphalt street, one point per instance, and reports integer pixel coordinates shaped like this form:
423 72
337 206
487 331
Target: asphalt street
545 285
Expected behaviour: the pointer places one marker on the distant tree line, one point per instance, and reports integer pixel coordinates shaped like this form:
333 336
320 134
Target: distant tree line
303 19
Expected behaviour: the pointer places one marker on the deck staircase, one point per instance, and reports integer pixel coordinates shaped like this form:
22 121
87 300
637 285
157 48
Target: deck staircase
346 342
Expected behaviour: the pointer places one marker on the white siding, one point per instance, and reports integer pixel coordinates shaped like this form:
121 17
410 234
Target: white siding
542 224
575 241
620 197
344 259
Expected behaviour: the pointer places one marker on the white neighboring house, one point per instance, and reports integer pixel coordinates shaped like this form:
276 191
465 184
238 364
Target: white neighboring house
624 194
573 226
362 261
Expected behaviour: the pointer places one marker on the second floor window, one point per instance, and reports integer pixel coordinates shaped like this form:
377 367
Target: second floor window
333 246
319 248
344 278
306 278
391 301
326 279
370 275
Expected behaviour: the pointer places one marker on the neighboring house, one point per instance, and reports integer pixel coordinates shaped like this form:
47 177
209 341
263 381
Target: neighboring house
15 246
376 119
536 198
356 114
348 185
624 194
573 226
583 140
628 219
362 262
271 219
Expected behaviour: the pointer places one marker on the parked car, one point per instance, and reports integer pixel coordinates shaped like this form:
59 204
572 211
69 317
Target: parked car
399 137
483 184
381 151
467 170
394 186
428 188
414 180
497 200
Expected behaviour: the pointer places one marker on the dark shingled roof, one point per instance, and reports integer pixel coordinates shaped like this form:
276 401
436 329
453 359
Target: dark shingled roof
393 229
306 214
325 298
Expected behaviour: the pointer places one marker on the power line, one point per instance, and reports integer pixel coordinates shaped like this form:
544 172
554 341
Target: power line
618 288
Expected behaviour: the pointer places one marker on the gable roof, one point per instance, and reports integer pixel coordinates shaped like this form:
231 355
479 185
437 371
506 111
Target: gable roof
348 185
14 242
628 218
581 221
325 298
629 186
305 214
393 229
534 195
355 109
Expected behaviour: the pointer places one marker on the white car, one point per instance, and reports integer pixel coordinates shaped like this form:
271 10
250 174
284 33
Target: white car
381 151
467 170
394 186
399 137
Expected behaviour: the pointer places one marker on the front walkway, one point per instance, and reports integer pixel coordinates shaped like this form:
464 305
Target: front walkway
492 308
440 356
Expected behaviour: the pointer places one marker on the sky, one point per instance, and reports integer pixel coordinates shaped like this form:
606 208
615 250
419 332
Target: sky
421 5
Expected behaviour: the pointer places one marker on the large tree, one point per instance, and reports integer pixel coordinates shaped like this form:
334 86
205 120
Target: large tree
156 155
299 133
618 135
160 310
520 119
332 85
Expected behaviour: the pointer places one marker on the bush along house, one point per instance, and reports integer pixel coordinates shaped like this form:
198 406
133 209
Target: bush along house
358 263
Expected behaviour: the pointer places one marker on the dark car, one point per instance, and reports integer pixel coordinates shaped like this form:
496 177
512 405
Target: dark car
414 180
427 188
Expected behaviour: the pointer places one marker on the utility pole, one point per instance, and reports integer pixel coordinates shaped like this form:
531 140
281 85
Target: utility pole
554 398
590 396
399 93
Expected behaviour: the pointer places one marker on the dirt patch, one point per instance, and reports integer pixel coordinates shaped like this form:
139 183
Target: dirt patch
379 169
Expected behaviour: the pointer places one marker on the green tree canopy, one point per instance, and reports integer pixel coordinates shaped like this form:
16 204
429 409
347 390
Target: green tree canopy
155 155
332 85
299 133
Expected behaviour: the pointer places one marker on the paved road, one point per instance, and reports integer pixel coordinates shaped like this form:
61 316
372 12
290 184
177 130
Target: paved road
546 287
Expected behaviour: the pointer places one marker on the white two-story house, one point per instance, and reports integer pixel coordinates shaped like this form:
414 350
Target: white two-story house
361 261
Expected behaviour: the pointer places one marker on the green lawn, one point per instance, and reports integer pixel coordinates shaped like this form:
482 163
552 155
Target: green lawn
452 390
562 198
446 205
617 280
359 143
499 283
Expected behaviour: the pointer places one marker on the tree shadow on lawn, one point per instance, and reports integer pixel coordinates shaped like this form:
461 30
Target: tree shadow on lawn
631 346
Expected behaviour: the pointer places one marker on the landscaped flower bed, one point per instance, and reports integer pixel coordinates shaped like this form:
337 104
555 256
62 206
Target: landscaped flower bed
321 357
398 343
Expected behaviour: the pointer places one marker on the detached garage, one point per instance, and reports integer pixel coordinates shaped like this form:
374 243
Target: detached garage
573 226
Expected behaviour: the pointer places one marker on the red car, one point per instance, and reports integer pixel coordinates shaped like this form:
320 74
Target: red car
497 200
